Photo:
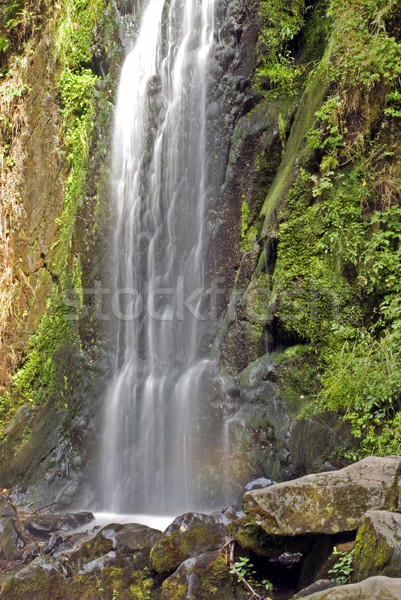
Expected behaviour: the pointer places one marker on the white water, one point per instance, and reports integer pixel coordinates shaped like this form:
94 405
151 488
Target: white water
153 425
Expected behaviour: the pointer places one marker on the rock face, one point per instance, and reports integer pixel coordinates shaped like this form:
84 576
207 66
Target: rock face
188 536
378 548
326 503
375 588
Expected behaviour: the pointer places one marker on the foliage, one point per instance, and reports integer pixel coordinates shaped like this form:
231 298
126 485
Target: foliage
336 280
44 373
244 569
342 569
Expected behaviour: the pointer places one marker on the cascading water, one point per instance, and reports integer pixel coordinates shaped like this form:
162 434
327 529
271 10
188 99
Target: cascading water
152 420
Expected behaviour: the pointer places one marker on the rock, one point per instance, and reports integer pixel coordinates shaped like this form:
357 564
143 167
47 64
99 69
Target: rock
39 580
10 540
105 578
375 588
317 586
378 546
44 525
202 578
188 536
129 539
7 510
326 503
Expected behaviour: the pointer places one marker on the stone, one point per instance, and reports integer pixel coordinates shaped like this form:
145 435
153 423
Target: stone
10 540
375 588
202 578
189 535
39 580
7 510
44 525
326 503
105 578
318 586
378 546
129 539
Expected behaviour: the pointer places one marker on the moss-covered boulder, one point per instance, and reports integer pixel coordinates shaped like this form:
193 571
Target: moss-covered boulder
129 539
188 536
326 503
378 546
375 588
40 580
202 578
106 578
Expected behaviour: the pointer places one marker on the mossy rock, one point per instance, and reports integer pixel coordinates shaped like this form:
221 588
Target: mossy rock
203 578
38 581
43 580
326 503
128 539
378 546
188 536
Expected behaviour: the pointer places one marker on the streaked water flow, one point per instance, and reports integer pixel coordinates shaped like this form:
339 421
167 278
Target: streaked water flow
151 431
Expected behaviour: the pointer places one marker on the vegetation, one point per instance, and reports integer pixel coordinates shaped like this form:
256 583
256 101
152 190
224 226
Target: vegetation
336 280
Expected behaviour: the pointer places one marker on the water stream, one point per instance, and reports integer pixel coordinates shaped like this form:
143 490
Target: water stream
152 422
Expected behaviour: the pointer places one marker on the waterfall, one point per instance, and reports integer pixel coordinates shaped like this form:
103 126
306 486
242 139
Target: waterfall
152 421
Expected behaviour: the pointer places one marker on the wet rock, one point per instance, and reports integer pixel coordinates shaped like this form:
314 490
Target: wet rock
202 578
317 586
10 540
44 525
7 509
375 588
188 536
326 503
378 546
131 537
39 580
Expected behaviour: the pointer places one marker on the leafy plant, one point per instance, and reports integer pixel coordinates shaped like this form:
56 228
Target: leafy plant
244 570
342 568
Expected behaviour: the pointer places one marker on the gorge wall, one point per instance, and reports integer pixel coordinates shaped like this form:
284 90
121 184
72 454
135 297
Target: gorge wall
304 235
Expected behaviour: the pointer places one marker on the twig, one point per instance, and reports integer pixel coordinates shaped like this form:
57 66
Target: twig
43 507
241 578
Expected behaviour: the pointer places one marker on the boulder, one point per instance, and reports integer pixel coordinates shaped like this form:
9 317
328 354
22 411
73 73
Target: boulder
375 588
39 580
189 535
10 540
202 578
105 578
318 586
44 525
326 503
129 539
378 546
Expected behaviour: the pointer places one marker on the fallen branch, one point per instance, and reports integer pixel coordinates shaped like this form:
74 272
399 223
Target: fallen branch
254 595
